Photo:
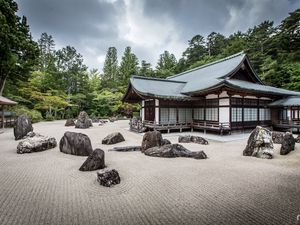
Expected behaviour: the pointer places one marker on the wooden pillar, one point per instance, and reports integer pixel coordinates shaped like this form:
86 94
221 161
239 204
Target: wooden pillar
3 117
156 108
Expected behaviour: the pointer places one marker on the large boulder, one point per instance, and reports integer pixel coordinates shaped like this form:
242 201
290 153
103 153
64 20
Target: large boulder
277 137
126 149
108 178
113 138
75 144
70 123
36 143
260 144
193 139
83 121
95 161
151 139
174 150
297 139
22 127
288 144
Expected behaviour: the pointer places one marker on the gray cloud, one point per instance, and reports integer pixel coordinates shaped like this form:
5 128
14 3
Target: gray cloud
148 26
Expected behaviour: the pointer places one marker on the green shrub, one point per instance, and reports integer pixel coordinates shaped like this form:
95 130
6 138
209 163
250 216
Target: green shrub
33 114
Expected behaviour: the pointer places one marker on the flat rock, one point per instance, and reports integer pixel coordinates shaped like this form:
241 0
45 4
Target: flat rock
151 139
36 143
22 126
70 123
126 149
174 150
260 144
192 139
113 138
95 161
108 178
75 144
83 121
288 144
277 137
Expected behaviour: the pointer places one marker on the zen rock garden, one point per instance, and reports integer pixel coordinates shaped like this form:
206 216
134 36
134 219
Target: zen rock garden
260 144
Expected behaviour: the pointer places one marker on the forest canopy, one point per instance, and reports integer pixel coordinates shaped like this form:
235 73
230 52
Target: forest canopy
50 83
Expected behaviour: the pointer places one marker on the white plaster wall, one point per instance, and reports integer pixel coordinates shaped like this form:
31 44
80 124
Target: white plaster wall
142 111
223 94
156 111
289 114
265 98
210 96
252 97
224 101
236 96
224 114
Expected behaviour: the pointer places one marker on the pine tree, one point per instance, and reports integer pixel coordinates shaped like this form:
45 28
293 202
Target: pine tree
128 66
110 68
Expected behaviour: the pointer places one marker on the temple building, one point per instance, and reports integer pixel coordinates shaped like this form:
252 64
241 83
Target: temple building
222 96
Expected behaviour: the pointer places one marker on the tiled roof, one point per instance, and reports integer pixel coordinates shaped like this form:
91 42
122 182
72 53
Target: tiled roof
289 101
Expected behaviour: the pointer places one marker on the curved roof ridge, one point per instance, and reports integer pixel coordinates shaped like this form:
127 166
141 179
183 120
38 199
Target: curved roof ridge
158 79
208 64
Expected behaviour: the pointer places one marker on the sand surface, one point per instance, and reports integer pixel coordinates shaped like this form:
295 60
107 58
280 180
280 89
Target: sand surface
228 188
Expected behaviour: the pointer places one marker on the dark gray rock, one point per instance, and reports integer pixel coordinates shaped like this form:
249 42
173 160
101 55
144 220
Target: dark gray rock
70 123
126 149
166 142
22 127
151 139
288 144
36 143
260 144
83 121
108 178
297 139
193 139
174 150
113 138
277 137
95 161
75 144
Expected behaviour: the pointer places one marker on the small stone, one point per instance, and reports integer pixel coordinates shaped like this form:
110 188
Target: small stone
113 138
288 144
70 123
193 139
151 139
297 139
108 178
277 137
95 161
83 121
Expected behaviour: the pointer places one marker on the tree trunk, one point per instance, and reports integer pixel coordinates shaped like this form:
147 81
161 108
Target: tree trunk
2 84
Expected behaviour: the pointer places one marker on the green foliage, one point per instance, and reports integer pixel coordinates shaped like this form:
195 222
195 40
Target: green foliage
128 66
33 114
18 51
56 83
166 65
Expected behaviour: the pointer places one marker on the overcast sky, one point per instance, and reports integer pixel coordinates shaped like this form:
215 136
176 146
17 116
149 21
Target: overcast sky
148 26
